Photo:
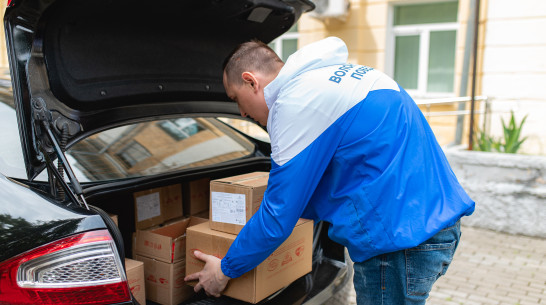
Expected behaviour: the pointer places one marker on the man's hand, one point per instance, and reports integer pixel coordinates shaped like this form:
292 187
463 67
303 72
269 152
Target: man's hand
211 278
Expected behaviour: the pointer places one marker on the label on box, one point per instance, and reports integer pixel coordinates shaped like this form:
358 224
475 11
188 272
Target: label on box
228 208
148 206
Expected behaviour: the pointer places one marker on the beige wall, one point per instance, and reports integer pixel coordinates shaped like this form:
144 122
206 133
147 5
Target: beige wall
365 30
514 68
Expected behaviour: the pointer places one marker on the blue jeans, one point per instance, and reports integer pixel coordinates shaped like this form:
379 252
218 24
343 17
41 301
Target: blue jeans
406 276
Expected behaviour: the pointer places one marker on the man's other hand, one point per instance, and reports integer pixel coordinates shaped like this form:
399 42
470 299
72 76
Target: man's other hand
211 278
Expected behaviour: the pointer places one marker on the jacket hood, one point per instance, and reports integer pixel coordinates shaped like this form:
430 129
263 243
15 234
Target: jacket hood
327 52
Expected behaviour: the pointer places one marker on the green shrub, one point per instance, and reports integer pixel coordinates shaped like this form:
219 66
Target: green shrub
483 142
509 144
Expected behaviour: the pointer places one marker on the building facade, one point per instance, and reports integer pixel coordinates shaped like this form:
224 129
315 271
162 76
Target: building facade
427 46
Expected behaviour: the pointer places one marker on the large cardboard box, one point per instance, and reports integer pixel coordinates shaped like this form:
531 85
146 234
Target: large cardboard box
155 206
165 281
166 243
235 199
196 196
135 277
289 262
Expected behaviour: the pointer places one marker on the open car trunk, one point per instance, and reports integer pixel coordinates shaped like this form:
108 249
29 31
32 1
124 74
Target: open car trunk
83 71
330 270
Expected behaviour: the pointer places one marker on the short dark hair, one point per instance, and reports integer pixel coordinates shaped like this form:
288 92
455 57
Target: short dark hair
253 55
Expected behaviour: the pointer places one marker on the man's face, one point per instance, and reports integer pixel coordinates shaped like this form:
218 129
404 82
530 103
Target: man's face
250 99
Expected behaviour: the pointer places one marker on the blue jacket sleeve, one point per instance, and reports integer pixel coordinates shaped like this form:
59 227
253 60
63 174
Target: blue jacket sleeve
289 190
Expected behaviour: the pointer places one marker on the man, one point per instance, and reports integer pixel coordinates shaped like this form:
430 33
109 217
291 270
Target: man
351 148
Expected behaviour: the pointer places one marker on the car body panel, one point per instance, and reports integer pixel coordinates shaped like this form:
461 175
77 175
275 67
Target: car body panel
28 219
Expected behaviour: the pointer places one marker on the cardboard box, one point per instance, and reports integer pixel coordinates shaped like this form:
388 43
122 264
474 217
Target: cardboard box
166 243
204 214
165 281
155 206
289 262
234 200
196 196
135 277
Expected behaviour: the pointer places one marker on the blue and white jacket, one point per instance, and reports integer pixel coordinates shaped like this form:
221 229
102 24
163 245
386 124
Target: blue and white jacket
349 147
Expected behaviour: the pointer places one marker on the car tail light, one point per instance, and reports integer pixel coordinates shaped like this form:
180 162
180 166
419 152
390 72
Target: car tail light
81 269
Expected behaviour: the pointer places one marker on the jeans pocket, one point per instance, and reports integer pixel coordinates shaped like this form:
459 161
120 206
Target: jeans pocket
425 264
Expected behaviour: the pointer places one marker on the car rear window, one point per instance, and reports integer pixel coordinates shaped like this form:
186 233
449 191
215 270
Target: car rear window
157 147
140 149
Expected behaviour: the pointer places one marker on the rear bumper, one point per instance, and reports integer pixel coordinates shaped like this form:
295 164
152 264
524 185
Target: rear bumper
333 284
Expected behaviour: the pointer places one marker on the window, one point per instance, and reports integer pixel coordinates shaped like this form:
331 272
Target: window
248 128
155 147
180 129
133 153
424 43
286 44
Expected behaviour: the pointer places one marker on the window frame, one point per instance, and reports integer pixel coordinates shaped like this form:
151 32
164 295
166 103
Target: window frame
127 154
280 40
423 30
177 131
117 160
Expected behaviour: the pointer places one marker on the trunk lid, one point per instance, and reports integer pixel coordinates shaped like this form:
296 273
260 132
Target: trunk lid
81 66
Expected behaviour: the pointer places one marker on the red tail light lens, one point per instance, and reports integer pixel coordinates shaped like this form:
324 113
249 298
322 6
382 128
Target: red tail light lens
82 269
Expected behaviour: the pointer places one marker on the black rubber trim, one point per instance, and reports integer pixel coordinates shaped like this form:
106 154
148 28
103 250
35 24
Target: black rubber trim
114 231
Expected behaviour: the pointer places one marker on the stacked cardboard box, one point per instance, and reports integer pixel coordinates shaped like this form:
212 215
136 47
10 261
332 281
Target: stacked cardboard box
160 239
163 251
157 205
233 201
289 262
164 241
135 277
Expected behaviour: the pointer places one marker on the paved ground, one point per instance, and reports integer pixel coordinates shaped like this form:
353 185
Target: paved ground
491 268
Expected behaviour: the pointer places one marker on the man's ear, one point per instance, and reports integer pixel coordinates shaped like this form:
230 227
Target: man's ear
250 79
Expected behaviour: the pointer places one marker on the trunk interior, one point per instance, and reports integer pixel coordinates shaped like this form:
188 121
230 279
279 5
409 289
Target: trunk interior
117 198
329 258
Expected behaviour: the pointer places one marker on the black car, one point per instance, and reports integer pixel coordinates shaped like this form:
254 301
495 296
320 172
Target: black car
112 97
